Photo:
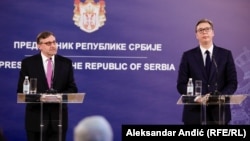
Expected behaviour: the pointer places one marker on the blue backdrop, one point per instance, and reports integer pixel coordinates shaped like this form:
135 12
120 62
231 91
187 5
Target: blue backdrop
137 49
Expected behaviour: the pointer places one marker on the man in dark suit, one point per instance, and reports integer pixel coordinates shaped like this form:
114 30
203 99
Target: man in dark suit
62 82
221 78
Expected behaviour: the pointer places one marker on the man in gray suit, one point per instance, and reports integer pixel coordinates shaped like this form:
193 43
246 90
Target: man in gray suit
220 78
62 82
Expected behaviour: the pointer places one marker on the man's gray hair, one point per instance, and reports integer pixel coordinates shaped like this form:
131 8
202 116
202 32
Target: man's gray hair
93 128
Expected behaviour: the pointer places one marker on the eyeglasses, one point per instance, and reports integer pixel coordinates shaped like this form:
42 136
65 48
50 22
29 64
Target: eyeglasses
206 29
49 43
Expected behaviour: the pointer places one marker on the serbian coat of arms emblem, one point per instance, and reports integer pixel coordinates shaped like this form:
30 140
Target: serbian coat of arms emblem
89 16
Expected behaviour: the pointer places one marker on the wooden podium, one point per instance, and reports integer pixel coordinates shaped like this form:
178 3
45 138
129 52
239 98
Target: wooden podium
219 100
59 98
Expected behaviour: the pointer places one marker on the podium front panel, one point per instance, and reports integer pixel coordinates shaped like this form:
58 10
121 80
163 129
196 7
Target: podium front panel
43 98
220 100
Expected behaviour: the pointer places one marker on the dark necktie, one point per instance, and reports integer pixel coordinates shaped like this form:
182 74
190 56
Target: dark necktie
49 71
208 62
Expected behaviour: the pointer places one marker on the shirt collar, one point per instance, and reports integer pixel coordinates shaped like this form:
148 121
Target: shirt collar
210 49
45 58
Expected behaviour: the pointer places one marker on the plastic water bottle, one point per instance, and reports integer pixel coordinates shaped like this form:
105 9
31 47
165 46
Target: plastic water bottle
190 87
26 85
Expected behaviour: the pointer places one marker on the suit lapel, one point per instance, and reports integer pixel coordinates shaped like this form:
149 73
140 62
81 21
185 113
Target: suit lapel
43 75
200 62
56 69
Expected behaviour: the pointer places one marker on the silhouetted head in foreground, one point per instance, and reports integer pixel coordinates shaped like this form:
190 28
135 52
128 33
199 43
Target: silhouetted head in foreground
93 128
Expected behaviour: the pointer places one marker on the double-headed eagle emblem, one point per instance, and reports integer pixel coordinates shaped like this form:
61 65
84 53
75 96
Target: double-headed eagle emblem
89 16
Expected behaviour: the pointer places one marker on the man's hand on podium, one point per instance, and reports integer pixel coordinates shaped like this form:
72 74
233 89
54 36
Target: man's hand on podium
202 99
51 98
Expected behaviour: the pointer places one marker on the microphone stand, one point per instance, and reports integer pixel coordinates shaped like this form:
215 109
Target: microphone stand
53 92
216 92
221 98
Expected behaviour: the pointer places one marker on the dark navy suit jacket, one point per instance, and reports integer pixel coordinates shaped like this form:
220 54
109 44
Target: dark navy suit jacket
223 73
63 82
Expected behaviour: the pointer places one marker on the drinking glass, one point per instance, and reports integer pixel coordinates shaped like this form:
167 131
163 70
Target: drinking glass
33 85
198 87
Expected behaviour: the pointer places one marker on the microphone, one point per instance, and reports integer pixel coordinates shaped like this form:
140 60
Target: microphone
216 92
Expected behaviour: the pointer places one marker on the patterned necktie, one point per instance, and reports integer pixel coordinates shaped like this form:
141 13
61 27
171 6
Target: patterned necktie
49 72
208 62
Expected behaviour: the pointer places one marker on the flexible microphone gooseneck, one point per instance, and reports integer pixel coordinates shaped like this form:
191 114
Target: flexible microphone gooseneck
216 92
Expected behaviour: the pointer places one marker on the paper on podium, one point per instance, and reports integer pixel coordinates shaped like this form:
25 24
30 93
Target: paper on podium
50 98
